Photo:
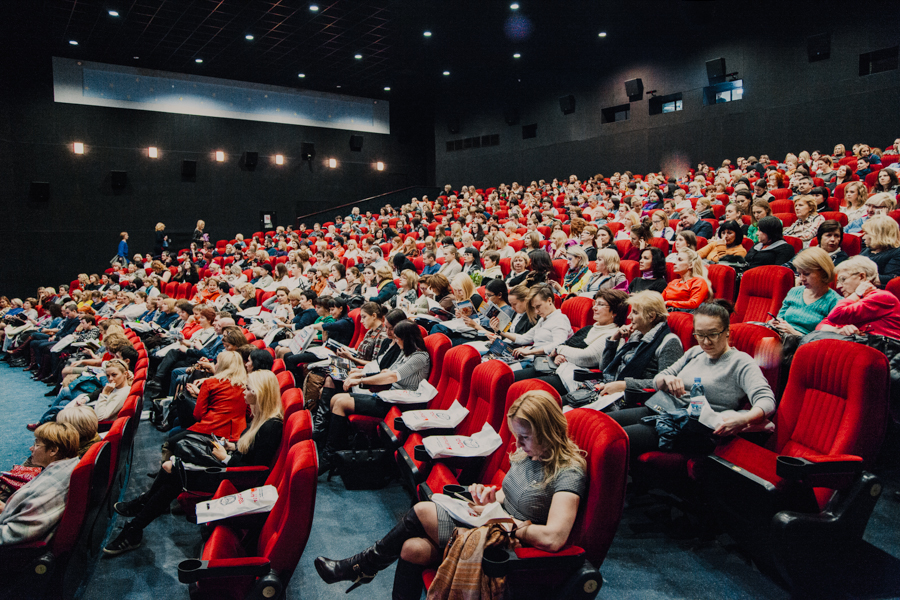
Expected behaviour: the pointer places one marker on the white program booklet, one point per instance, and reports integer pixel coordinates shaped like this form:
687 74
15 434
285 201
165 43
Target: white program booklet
419 420
460 511
482 443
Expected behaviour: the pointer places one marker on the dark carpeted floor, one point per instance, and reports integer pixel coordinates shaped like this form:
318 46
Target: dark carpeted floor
650 564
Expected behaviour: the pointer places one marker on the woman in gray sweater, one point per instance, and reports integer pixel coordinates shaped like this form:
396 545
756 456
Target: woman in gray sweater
729 377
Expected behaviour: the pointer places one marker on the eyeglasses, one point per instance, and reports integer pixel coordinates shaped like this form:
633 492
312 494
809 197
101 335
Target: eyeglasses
710 336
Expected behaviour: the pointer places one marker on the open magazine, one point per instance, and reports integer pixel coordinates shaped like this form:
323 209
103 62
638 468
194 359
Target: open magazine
491 310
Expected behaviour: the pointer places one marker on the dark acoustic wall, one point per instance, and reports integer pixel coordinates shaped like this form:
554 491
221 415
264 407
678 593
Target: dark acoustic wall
789 105
78 229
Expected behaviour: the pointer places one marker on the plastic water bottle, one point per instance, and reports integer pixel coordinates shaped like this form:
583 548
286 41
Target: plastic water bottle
698 398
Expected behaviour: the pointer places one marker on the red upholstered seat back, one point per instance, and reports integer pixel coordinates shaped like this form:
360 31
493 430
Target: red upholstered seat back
722 278
631 269
762 290
456 376
579 310
661 243
497 465
437 345
286 531
285 381
359 332
487 397
291 402
761 343
606 445
297 428
114 439
278 366
559 270
682 325
87 487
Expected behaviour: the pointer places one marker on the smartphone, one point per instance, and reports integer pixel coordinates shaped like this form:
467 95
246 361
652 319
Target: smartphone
771 315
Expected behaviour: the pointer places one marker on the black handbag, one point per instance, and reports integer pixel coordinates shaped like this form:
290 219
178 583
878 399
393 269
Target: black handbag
196 449
544 365
579 397
365 468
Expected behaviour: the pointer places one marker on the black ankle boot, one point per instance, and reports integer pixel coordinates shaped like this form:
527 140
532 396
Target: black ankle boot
362 568
338 430
407 581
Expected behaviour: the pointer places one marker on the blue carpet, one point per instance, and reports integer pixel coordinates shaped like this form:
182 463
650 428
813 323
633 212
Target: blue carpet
639 566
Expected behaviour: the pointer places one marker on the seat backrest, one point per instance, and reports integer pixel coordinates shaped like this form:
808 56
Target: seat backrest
722 278
559 270
437 345
623 247
359 332
661 243
579 310
278 366
763 290
606 445
497 464
297 428
87 487
285 381
487 397
184 290
631 269
286 530
763 344
129 407
456 376
291 402
117 452
682 325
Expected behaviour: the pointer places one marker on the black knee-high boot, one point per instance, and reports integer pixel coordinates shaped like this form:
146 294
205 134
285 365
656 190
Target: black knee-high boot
407 581
321 415
338 430
363 567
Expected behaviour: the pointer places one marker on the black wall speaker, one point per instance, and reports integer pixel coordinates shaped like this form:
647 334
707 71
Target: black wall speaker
634 88
453 125
511 116
118 179
356 143
567 104
715 70
39 191
189 168
250 160
818 47
307 151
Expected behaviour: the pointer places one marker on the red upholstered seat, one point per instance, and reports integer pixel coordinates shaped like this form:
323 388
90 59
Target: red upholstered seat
559 270
623 247
580 312
291 402
280 544
661 243
682 325
722 278
763 289
787 218
278 366
763 344
781 193
631 269
359 332
781 206
285 381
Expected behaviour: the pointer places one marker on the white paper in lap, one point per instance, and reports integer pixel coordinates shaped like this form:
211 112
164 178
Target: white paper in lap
166 349
423 393
63 343
419 420
482 443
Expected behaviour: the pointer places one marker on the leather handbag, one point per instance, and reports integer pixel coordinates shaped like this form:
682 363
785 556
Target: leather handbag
544 365
196 449
365 468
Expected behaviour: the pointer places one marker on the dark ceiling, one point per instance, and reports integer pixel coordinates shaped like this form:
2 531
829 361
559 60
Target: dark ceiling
474 40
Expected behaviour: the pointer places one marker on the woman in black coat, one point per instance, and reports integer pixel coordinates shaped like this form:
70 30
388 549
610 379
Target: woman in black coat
771 249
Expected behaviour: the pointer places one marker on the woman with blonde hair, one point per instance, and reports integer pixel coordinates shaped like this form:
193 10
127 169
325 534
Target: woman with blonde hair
511 229
408 293
257 445
881 235
607 276
198 234
532 241
691 288
384 284
544 486
557 247
161 239
855 195
806 305
808 220
456 231
85 422
577 275
451 266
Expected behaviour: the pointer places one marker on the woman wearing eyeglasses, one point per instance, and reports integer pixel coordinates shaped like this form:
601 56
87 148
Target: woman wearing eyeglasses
730 378
865 308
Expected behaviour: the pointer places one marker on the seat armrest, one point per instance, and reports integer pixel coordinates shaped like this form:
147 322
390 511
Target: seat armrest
193 570
591 375
455 463
387 434
498 562
834 471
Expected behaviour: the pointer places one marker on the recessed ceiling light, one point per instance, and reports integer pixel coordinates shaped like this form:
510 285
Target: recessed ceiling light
313 7
426 33
338 87
517 55
379 166
301 75
135 57
387 89
220 156
73 42
279 159
78 147
198 60
153 152
602 34
357 56
514 6
446 72
248 37
114 13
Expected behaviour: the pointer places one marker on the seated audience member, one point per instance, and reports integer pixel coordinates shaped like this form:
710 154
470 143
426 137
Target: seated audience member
690 288
659 225
552 327
886 182
577 275
219 409
726 246
607 276
693 223
541 269
758 210
408 294
492 268
829 238
33 512
728 375
683 239
653 272
876 204
257 445
518 269
881 235
429 258
771 249
865 308
385 287
109 402
545 484
807 304
410 368
451 266
84 420
808 220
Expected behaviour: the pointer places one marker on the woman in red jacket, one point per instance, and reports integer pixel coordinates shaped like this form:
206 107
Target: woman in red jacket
220 408
691 289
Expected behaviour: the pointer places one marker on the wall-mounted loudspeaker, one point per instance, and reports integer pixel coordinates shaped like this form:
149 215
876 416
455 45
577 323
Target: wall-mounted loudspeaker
118 179
39 191
250 160
567 104
634 88
307 151
818 47
715 70
453 125
356 143
189 168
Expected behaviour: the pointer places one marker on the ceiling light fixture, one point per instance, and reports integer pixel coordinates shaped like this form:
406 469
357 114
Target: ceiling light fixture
198 60
387 89
446 73
248 37
78 148
601 34
313 8
136 57
73 42
426 33
514 6
220 156
301 75
379 166
279 159
114 13
153 152
517 55
332 163
357 56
